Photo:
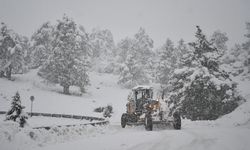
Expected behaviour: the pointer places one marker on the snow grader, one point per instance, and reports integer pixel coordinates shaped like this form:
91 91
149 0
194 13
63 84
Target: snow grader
142 109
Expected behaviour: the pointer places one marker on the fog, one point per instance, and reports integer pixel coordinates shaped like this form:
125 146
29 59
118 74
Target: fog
162 19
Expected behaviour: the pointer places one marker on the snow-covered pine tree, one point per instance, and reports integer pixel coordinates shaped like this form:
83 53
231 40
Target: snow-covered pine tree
166 64
246 45
170 58
104 51
219 40
16 112
151 67
26 46
135 59
6 44
246 48
42 45
200 90
18 57
123 48
132 73
143 47
68 64
237 59
85 63
103 43
233 60
11 52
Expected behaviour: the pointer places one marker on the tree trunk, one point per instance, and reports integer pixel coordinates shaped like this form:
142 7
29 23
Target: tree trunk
66 89
1 74
82 89
8 72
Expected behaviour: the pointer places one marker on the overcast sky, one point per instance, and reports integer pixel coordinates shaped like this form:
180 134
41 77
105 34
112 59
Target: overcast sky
162 19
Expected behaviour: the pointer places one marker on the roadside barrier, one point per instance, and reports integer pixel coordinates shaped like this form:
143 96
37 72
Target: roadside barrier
100 121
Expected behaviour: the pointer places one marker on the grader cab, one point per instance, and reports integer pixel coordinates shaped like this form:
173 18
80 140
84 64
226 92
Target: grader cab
142 109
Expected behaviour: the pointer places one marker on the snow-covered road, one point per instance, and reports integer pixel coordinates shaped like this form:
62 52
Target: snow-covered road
193 136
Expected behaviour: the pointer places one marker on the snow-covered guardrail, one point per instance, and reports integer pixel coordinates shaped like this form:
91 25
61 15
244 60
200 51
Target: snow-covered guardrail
73 125
2 112
62 116
100 121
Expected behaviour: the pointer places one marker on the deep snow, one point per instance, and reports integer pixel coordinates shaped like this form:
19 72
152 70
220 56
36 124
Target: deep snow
229 132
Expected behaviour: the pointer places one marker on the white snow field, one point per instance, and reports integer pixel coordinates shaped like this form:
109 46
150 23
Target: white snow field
230 132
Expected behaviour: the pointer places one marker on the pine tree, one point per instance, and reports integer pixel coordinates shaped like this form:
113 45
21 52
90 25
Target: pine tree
219 40
12 52
104 51
135 54
167 63
103 43
132 73
237 59
16 112
17 58
181 52
42 45
123 48
200 90
69 62
85 59
246 53
233 60
246 45
143 46
26 46
6 44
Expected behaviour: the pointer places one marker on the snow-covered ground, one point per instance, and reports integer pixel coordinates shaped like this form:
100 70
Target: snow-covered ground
191 137
229 132
48 98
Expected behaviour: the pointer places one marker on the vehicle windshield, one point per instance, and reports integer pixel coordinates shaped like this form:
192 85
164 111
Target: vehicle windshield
143 94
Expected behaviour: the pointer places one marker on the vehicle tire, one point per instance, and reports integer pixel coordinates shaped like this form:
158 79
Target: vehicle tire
148 123
124 119
177 121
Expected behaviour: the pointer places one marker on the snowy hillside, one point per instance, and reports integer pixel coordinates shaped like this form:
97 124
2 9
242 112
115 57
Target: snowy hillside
48 99
230 132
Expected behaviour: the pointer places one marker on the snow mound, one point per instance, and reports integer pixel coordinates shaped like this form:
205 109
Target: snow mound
241 115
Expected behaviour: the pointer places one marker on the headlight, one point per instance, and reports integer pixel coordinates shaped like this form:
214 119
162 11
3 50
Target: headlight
151 106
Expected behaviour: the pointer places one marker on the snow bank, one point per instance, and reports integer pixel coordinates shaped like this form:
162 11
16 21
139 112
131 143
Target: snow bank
14 138
241 115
